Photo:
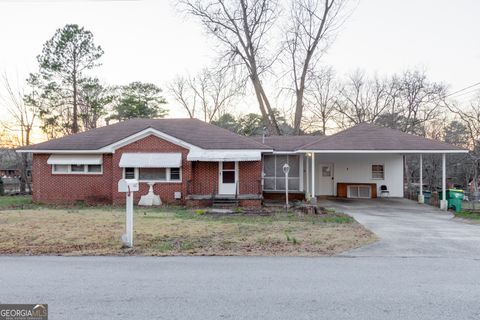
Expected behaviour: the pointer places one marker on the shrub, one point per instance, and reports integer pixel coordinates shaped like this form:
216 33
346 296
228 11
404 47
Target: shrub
200 212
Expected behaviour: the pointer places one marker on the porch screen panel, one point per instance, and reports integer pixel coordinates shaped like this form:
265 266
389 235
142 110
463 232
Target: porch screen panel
274 178
269 166
280 161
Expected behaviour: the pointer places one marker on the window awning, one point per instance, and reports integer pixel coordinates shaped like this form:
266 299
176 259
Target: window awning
75 159
224 155
151 160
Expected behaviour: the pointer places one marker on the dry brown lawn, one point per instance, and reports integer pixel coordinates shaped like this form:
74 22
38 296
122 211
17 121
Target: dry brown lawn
176 231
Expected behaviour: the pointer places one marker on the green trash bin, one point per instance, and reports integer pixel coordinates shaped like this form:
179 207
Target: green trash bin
454 198
427 195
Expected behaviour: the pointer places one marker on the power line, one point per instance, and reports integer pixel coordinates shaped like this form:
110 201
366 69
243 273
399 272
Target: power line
463 89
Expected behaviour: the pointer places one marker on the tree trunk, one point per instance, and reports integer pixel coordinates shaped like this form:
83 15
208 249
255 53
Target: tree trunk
268 116
75 106
298 112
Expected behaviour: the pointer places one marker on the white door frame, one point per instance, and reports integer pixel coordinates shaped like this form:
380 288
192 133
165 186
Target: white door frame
227 188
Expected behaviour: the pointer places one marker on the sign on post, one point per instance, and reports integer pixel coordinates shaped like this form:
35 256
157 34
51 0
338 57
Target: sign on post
129 186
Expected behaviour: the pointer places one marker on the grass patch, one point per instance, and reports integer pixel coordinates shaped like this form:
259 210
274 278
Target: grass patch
468 215
12 202
176 231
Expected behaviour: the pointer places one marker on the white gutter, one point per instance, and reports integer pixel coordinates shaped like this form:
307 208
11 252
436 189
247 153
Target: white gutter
98 151
382 151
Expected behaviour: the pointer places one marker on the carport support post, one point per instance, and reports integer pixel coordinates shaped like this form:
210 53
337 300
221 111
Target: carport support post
421 198
313 199
443 202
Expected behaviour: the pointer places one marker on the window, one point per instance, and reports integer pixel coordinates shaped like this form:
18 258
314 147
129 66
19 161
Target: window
152 174
326 171
129 173
274 178
378 171
94 168
77 168
60 168
175 174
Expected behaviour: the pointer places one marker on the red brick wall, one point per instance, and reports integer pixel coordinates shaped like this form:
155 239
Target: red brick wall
198 177
164 190
250 176
205 178
68 188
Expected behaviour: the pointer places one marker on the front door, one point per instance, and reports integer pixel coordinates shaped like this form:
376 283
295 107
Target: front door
325 179
228 177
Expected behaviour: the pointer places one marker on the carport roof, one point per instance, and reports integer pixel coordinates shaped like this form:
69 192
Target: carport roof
368 137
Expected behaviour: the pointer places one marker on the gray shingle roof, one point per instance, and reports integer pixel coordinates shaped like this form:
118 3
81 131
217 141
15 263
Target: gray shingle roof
288 143
208 136
370 137
192 131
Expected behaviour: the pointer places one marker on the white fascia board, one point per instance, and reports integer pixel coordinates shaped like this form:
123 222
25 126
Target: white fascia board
116 145
143 134
198 154
98 151
284 152
382 151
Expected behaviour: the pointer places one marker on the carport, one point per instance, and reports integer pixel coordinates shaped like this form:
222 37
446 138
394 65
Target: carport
365 161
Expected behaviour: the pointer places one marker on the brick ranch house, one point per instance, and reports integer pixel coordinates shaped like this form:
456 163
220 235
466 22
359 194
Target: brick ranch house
194 163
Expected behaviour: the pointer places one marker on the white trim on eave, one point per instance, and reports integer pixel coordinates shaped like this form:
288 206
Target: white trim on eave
135 137
61 151
121 143
383 151
143 134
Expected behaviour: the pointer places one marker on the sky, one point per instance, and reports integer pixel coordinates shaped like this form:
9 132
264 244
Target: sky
151 41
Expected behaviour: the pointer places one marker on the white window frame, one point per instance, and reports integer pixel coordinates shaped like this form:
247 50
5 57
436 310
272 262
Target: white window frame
167 175
85 169
371 169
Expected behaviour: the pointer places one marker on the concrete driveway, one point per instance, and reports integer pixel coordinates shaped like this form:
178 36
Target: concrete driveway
409 229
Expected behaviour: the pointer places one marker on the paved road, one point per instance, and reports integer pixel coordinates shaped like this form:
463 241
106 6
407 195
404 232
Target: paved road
408 229
245 287
425 266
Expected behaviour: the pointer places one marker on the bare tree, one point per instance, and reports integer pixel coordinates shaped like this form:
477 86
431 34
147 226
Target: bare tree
21 127
363 100
182 92
470 118
418 100
312 27
241 26
320 99
206 95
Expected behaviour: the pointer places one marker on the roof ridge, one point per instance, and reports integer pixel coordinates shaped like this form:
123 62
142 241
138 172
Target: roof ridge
325 137
371 125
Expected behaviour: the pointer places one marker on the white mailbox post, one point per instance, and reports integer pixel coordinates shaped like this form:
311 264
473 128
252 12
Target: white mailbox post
129 186
286 170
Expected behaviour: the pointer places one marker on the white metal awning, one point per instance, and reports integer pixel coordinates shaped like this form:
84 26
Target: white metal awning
75 159
224 155
151 160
